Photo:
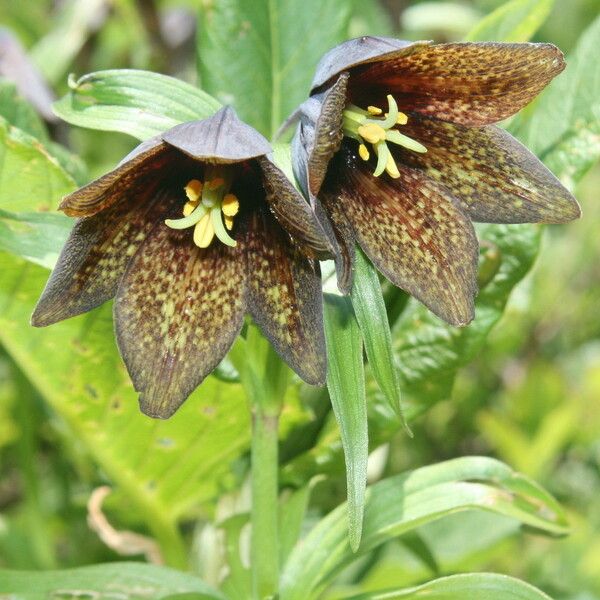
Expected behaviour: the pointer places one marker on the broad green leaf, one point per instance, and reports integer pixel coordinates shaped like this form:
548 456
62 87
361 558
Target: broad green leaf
161 469
18 112
564 128
346 385
369 308
428 351
139 103
31 179
260 55
514 21
125 580
403 502
463 587
37 237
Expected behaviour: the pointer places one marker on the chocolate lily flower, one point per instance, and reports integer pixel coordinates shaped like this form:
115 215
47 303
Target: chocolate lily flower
194 229
397 142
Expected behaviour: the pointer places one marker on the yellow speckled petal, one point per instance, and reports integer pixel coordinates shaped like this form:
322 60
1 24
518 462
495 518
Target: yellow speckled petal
96 254
495 178
284 297
411 230
468 83
177 312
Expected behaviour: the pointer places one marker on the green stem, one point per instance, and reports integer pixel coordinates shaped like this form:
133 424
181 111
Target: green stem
171 543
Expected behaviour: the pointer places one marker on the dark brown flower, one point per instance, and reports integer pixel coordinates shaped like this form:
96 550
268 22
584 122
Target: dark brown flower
398 144
245 241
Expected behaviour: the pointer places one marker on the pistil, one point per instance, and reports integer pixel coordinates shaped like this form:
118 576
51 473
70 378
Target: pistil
210 208
373 127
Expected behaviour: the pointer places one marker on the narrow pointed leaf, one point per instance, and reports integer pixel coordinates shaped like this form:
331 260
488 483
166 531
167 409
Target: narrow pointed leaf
346 384
369 308
459 587
402 503
138 103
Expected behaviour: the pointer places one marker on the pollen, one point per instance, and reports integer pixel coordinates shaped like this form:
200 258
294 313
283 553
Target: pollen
378 128
193 190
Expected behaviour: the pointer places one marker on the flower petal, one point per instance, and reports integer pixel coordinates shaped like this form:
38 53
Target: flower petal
178 310
315 238
222 138
411 230
467 83
284 297
95 257
138 167
494 177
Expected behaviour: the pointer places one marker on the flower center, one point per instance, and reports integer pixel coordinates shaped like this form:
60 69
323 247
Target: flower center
373 127
210 208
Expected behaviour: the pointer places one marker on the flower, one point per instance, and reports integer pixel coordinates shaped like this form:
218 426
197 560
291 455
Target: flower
397 141
194 229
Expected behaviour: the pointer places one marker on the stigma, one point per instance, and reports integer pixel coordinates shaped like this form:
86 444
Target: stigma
373 127
210 208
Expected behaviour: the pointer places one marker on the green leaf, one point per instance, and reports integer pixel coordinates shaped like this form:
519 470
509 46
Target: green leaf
346 384
139 103
460 587
428 351
19 113
37 237
564 129
127 580
31 179
259 55
369 308
160 469
402 503
514 21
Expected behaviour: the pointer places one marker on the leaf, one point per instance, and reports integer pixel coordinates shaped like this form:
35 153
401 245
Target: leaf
564 129
37 237
266 52
139 103
346 385
161 469
460 587
369 308
127 580
30 178
18 112
514 21
430 352
403 502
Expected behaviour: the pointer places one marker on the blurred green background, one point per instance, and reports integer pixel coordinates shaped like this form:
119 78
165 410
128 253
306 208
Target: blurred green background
530 398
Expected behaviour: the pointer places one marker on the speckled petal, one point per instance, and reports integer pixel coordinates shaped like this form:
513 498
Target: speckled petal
222 139
95 256
412 231
178 310
295 214
494 177
468 83
145 162
284 297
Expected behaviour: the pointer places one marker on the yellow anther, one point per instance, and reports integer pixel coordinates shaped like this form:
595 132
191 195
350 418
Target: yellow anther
402 119
230 205
193 190
228 222
363 152
204 232
215 183
391 168
188 207
374 110
372 133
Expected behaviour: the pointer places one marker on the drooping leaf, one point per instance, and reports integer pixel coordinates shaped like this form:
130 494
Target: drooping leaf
139 103
564 127
346 385
403 502
266 53
127 580
513 21
461 587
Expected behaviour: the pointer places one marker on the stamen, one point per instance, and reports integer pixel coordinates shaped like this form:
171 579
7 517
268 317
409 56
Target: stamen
374 110
193 190
372 132
396 137
363 152
219 229
189 220
230 205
